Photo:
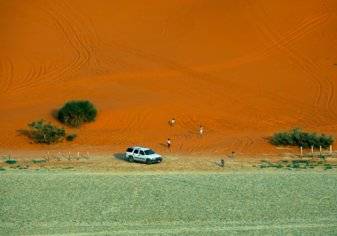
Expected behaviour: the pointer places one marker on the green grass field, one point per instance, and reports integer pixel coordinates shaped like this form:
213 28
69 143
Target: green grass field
181 203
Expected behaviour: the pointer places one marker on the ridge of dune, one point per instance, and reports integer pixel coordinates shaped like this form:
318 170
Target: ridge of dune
242 69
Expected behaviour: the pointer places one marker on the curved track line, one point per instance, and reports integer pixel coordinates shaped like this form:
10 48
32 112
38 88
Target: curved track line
74 38
303 63
307 26
7 75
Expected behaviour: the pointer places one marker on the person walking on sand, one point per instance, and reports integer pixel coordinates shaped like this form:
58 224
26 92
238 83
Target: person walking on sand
168 142
201 130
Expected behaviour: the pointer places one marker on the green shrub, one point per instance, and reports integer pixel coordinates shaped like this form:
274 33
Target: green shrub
42 132
265 164
11 161
322 157
74 113
306 162
2 169
295 165
278 165
38 161
296 137
327 166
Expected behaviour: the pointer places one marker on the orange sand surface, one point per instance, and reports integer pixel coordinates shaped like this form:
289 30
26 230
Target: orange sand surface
243 69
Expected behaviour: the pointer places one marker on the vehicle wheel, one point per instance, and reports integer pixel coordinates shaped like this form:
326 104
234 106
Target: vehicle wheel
148 161
131 159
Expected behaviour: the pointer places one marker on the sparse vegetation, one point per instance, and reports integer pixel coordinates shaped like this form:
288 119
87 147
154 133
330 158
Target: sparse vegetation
296 164
39 161
10 161
241 203
75 113
327 166
71 137
43 132
297 137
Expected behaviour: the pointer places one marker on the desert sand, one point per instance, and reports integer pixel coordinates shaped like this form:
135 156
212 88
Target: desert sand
242 69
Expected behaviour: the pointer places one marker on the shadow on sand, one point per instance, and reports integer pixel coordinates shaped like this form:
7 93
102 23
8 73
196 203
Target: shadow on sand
54 113
26 133
120 156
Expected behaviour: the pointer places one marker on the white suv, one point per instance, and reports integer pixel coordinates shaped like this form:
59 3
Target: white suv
142 154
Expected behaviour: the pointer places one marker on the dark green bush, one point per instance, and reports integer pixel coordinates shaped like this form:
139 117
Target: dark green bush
296 137
74 113
278 165
43 132
71 137
295 165
39 161
327 166
11 161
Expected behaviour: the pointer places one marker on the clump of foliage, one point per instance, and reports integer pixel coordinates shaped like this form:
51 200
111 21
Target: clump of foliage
71 137
296 164
327 166
39 161
43 132
268 164
75 113
297 137
11 161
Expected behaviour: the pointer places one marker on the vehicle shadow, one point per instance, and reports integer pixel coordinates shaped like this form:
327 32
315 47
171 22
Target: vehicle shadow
119 156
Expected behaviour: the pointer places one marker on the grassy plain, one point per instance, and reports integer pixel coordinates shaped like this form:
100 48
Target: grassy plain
47 202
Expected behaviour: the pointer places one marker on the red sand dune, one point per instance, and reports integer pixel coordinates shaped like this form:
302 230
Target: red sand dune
243 69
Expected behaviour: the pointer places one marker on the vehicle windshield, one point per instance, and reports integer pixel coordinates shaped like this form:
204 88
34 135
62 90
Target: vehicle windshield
149 152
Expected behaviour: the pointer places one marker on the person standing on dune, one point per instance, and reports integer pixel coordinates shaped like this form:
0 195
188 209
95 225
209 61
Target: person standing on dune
201 130
172 122
168 142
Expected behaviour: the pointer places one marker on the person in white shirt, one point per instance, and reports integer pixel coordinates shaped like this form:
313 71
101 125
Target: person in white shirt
172 121
201 130
168 142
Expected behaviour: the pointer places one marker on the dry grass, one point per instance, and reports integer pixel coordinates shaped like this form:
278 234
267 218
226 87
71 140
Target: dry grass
170 203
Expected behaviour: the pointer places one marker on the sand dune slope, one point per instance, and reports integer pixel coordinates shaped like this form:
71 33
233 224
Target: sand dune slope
243 69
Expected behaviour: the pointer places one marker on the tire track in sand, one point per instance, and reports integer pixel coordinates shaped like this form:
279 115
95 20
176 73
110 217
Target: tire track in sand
31 77
305 64
6 75
73 35
307 26
206 80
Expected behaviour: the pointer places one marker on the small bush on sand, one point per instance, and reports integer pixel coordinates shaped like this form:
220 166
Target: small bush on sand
39 161
11 161
43 132
71 137
296 137
327 166
74 113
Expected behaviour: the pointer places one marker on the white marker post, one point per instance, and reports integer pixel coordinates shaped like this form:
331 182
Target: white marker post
301 151
320 150
330 149
312 149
